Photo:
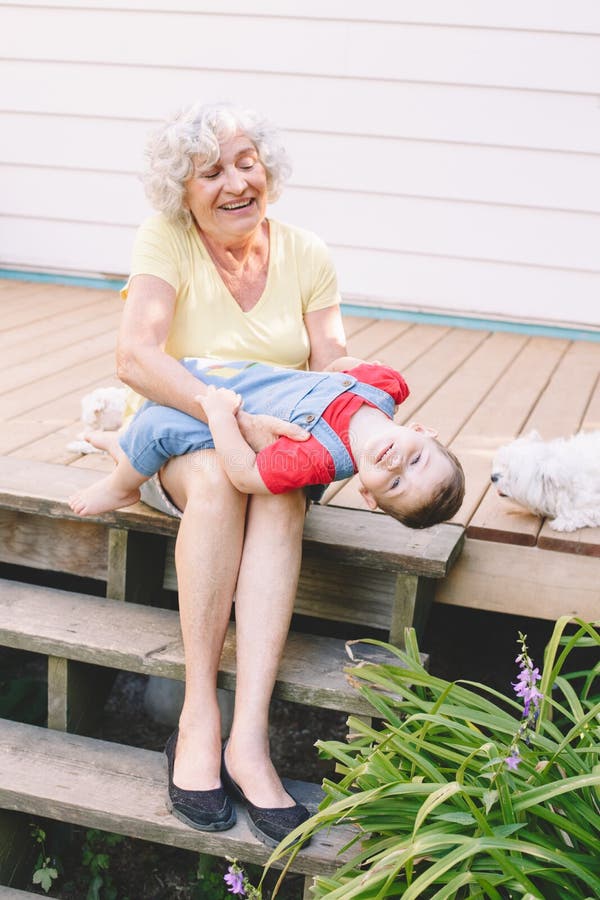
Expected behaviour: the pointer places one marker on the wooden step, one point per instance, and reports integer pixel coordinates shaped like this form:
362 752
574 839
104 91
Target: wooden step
358 567
122 789
342 535
143 639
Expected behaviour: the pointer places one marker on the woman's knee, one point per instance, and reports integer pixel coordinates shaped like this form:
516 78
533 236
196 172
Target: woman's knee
285 510
198 478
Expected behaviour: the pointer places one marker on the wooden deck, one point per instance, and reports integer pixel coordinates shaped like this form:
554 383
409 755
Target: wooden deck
479 389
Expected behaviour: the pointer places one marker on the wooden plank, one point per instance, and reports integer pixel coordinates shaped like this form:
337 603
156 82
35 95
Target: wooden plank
499 419
465 388
367 540
77 548
338 591
407 347
136 566
16 292
508 524
26 436
559 409
48 303
413 599
30 397
375 541
591 419
66 407
523 581
113 787
40 368
52 447
77 693
53 344
22 434
21 295
47 329
97 462
368 342
353 324
138 638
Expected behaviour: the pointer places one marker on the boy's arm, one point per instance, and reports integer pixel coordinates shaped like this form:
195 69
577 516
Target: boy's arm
343 363
237 456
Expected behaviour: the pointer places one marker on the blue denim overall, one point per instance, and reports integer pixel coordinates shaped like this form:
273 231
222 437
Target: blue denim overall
157 433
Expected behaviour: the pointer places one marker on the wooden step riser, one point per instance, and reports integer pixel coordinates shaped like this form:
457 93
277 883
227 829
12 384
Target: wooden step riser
122 789
329 590
339 535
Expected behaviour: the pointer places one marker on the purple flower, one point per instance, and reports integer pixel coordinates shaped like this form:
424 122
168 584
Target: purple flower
513 760
235 881
525 688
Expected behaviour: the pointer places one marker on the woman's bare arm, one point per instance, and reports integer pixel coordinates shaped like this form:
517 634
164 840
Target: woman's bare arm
326 334
141 359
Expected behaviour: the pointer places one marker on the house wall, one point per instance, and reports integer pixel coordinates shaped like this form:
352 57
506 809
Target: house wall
449 153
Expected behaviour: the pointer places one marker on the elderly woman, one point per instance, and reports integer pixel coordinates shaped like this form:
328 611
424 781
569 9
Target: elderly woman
212 276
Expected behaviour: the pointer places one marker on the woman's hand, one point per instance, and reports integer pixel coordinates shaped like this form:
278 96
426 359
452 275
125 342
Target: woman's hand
261 430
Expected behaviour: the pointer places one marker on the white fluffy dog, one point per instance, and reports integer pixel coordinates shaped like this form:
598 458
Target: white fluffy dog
101 410
559 479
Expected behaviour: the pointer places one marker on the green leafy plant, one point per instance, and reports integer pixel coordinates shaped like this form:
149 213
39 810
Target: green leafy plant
465 792
96 857
45 870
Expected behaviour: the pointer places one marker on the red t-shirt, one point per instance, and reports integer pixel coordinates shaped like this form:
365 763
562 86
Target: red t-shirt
287 465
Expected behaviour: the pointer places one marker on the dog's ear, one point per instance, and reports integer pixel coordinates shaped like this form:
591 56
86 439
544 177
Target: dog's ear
550 477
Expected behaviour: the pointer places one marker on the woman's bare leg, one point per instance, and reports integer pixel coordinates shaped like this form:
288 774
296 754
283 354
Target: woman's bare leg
207 559
265 596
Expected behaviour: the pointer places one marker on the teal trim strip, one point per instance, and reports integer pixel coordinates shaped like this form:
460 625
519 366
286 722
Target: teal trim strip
349 309
554 331
74 280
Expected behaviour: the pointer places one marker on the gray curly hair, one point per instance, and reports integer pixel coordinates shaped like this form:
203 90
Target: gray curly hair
193 135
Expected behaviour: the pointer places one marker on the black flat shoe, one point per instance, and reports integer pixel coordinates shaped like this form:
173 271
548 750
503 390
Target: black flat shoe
269 824
204 810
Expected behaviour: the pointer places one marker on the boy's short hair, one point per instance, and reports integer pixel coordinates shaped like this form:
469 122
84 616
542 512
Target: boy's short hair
444 503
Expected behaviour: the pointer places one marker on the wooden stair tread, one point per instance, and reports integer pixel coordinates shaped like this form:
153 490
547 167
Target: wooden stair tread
113 787
137 638
338 534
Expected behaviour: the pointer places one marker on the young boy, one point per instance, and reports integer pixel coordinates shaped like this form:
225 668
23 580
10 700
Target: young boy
348 411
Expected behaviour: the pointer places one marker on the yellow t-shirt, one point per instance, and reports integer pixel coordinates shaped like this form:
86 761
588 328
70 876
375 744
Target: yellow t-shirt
208 321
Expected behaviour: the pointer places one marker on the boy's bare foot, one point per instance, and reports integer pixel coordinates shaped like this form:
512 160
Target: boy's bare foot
104 440
102 496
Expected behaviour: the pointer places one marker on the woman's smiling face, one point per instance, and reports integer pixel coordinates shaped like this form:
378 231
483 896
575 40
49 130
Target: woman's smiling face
228 200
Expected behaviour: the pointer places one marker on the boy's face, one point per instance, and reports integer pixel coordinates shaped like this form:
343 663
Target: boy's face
401 466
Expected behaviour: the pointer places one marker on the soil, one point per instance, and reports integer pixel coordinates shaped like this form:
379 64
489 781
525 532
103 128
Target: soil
462 644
